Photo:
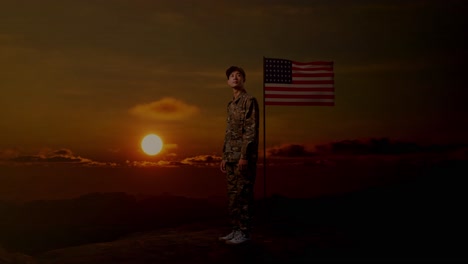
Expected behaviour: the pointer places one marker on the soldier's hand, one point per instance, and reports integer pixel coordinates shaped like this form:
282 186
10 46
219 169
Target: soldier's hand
222 166
242 164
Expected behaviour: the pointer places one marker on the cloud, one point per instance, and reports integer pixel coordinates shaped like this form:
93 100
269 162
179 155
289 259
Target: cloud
197 161
290 150
203 160
50 156
167 108
34 158
8 153
384 146
148 164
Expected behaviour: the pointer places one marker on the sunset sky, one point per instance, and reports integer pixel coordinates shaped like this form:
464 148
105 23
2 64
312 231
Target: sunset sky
88 79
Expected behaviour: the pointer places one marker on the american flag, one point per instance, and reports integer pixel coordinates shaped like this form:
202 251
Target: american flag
289 82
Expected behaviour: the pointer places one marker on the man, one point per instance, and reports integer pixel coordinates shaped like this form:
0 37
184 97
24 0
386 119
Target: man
240 152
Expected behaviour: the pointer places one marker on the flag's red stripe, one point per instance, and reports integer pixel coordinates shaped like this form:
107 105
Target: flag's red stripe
299 89
326 74
313 82
330 63
312 69
301 103
302 96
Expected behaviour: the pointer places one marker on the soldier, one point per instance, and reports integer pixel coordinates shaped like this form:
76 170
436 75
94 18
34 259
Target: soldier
240 153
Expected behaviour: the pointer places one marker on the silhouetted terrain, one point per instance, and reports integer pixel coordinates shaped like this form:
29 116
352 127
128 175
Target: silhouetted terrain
416 218
43 225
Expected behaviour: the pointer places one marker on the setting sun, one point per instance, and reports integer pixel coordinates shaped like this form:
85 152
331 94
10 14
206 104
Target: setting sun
152 144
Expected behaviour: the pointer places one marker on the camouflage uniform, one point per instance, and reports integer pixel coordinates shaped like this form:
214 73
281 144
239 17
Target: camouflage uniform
241 142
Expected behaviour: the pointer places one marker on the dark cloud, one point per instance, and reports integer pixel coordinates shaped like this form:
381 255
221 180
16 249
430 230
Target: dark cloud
372 146
49 159
64 156
27 159
290 150
63 152
384 146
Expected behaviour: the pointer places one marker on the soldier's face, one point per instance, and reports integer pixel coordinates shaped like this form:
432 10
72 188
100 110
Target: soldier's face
236 80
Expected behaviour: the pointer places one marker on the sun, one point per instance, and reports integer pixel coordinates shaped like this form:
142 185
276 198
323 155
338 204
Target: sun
151 144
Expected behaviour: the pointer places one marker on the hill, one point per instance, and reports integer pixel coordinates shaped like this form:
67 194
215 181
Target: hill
419 218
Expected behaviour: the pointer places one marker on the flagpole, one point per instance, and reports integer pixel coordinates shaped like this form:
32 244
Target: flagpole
264 136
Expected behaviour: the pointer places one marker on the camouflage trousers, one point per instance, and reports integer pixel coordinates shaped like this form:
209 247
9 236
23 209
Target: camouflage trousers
240 190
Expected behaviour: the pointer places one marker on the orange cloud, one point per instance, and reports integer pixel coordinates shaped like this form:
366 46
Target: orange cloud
197 161
203 160
167 108
147 164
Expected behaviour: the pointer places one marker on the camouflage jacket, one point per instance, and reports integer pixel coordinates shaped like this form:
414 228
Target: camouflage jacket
241 139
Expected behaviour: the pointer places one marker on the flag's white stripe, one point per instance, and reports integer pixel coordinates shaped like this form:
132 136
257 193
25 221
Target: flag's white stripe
312 66
287 85
300 93
312 71
297 100
312 78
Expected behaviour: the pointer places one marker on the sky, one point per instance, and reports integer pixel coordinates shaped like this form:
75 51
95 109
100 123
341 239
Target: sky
86 80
